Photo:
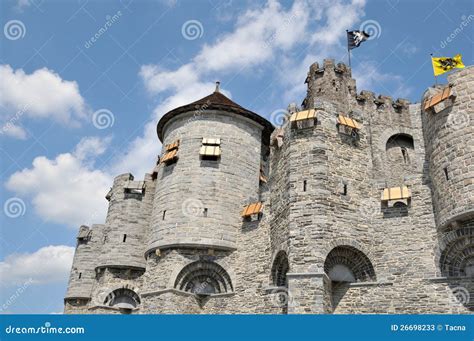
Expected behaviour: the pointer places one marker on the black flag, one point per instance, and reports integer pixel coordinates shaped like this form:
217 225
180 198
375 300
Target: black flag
355 38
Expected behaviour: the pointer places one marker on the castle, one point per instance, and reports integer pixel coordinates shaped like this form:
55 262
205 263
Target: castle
356 203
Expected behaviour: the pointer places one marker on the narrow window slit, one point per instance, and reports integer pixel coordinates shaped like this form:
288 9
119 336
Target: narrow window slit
405 155
446 174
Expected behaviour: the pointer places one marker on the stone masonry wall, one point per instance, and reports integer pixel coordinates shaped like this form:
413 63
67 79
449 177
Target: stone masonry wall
323 194
279 195
400 242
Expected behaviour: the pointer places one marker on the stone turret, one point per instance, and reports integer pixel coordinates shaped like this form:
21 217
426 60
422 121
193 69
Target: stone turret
320 172
124 235
209 170
448 126
331 82
199 197
82 276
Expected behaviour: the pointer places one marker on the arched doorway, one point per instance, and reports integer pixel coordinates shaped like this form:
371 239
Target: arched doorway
344 265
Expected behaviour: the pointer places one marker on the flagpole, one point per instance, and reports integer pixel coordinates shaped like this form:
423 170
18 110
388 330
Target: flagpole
348 50
349 53
435 77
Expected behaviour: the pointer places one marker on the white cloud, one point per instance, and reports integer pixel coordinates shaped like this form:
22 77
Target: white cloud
141 154
91 146
295 86
66 190
46 265
39 95
268 34
158 80
370 77
14 131
339 17
258 34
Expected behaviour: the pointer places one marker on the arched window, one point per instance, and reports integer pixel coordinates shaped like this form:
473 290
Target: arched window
204 278
457 257
122 298
279 270
348 264
399 147
400 205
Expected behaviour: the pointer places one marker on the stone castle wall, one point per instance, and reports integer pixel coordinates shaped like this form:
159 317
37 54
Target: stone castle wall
325 242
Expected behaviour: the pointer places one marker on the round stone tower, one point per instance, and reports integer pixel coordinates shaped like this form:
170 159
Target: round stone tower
448 117
209 170
82 276
122 241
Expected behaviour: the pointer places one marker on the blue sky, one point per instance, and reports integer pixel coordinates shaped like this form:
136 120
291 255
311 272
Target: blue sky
74 112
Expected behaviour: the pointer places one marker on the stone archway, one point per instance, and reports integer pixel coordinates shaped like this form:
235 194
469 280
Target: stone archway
203 278
280 268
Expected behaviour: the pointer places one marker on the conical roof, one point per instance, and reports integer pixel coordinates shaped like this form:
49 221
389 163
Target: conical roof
215 101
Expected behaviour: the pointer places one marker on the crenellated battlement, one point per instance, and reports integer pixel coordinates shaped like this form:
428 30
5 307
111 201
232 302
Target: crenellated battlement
382 102
333 82
126 183
329 66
